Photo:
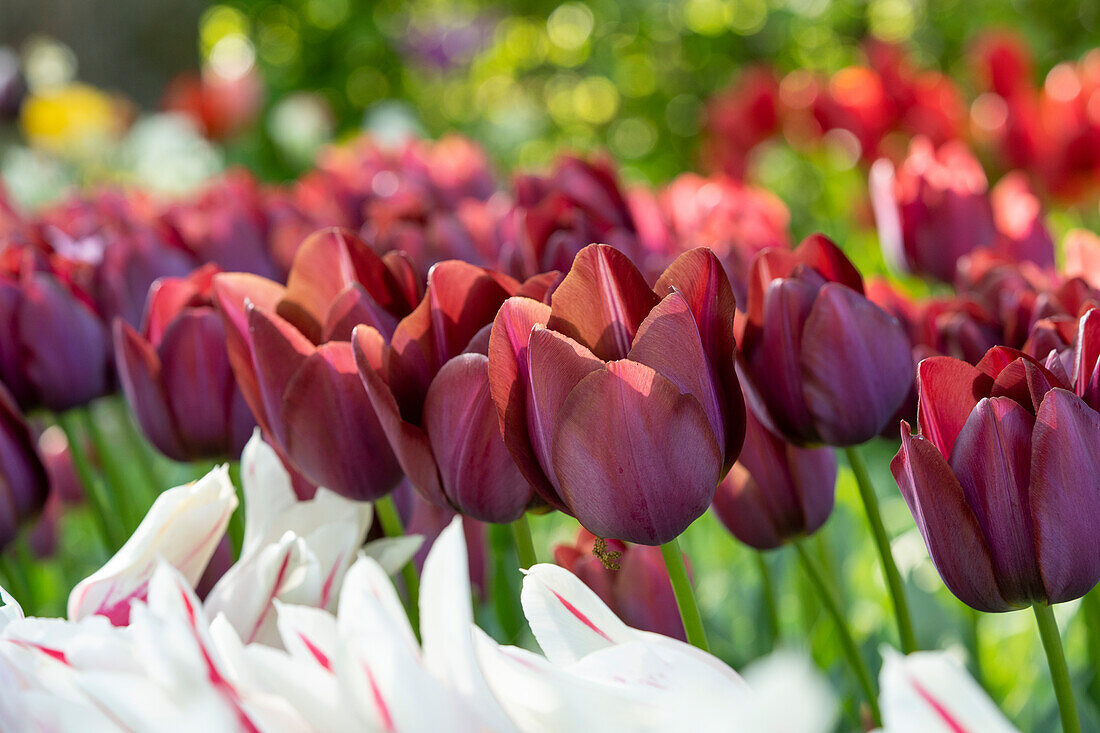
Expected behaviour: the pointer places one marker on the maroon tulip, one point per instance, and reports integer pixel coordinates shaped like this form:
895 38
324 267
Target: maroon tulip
617 401
1004 480
821 362
23 481
776 492
430 388
933 210
176 373
290 352
638 591
1022 236
53 346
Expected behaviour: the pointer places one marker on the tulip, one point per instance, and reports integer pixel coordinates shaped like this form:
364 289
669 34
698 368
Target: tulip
648 371
176 373
930 692
986 478
430 389
183 528
636 586
24 485
821 362
1017 214
933 210
289 352
776 491
53 346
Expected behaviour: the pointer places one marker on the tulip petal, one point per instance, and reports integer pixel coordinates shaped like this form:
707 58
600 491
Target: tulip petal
409 442
857 367
332 432
1086 358
949 390
602 301
479 476
278 351
1065 489
819 252
947 523
509 379
636 459
699 277
555 364
992 461
139 371
669 341
353 306
1025 381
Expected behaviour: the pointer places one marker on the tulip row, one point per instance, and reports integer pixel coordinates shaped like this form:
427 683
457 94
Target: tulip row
1051 132
473 345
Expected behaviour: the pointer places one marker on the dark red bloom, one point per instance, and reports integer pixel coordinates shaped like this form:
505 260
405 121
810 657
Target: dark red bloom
776 491
176 373
1004 480
617 401
23 481
821 362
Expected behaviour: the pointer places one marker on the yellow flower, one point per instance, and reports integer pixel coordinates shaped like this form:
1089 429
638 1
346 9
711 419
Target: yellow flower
70 120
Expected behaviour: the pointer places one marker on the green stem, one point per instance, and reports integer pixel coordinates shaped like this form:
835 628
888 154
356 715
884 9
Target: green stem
1059 672
1090 611
685 597
117 481
504 583
882 543
236 520
767 594
140 450
525 546
392 526
847 643
106 520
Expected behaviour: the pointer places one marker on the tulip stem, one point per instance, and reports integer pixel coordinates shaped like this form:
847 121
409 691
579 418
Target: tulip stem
685 597
847 643
105 519
391 524
17 581
117 483
1090 607
139 449
767 595
1059 672
525 546
974 641
882 543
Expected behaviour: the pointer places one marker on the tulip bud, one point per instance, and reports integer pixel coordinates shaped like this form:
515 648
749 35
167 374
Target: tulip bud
617 401
634 585
1004 480
176 373
23 481
776 491
821 362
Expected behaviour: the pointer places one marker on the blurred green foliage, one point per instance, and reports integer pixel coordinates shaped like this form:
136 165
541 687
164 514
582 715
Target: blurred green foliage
530 78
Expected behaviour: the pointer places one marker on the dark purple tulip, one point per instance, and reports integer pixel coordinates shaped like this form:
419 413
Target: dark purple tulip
54 349
617 401
430 389
23 481
822 363
776 491
1003 480
176 373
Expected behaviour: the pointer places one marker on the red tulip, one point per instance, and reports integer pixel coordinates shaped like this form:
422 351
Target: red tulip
822 363
617 401
1004 480
429 385
638 590
776 491
176 373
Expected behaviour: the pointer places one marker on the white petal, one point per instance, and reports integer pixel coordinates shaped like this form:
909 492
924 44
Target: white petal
267 490
10 611
183 528
446 621
778 679
568 619
393 553
368 593
930 692
308 634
